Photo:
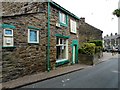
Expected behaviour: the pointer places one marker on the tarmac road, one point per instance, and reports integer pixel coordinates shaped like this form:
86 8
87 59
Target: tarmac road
103 75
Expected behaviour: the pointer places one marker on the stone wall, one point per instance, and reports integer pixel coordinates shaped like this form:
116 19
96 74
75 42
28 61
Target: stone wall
14 8
25 59
90 59
60 30
88 32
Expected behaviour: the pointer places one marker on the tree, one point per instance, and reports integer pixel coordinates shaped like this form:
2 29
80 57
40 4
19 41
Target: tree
116 12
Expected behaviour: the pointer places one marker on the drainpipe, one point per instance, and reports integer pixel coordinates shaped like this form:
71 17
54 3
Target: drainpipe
48 42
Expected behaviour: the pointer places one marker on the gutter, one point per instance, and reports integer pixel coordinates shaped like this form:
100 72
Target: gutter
63 9
48 41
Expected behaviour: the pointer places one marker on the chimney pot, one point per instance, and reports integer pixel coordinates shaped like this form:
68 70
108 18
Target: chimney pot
82 19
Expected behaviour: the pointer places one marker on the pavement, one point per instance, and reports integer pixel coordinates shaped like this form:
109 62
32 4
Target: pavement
108 55
103 75
30 79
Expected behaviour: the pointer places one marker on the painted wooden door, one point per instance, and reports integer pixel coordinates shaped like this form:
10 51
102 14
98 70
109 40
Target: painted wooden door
74 54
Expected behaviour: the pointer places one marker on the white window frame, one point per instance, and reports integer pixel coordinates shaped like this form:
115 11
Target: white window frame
29 36
7 34
6 44
63 18
73 26
66 57
8 37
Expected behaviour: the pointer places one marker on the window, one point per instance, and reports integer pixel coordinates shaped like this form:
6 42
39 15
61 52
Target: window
8 32
33 36
73 26
8 38
63 19
61 49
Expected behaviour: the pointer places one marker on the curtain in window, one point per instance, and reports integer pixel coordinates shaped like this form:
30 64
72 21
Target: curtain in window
60 48
33 35
63 18
73 26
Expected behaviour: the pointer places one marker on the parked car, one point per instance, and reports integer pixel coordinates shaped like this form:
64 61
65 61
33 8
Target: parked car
107 49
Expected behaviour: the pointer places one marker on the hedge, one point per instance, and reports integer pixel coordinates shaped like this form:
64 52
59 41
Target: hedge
87 48
97 42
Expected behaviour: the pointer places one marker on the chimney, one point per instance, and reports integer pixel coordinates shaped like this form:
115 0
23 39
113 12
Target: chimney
115 33
82 20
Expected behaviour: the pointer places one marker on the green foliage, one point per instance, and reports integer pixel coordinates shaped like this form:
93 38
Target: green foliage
116 12
99 45
87 48
98 49
97 42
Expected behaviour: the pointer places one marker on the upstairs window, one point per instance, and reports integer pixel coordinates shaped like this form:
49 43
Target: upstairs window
73 26
33 36
63 18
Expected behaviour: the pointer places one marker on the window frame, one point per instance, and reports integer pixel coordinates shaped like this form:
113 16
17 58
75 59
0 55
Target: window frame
73 29
29 36
8 45
8 37
62 45
66 19
7 34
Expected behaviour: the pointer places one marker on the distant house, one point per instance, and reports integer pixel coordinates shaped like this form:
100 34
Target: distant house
38 37
111 41
119 19
118 43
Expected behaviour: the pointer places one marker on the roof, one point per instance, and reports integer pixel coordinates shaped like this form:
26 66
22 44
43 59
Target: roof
94 27
52 3
63 9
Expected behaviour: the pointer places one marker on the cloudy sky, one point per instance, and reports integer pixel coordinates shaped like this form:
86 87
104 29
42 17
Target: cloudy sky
97 13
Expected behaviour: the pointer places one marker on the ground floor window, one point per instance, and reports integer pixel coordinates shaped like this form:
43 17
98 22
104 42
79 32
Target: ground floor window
8 38
33 36
61 48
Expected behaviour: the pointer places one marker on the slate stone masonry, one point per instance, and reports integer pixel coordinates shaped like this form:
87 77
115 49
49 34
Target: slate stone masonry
25 58
87 32
63 31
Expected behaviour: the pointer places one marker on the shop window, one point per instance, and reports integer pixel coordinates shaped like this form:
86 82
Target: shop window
61 49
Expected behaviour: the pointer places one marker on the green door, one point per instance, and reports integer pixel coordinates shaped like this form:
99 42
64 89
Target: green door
74 55
74 51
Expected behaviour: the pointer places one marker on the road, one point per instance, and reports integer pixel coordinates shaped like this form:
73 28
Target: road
103 75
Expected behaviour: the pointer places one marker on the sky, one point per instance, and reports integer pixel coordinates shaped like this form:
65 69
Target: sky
97 13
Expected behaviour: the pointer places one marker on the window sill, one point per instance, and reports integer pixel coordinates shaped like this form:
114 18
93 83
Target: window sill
73 32
62 24
33 43
3 47
61 62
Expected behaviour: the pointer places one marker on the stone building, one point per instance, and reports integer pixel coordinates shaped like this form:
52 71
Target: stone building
88 33
38 37
111 41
